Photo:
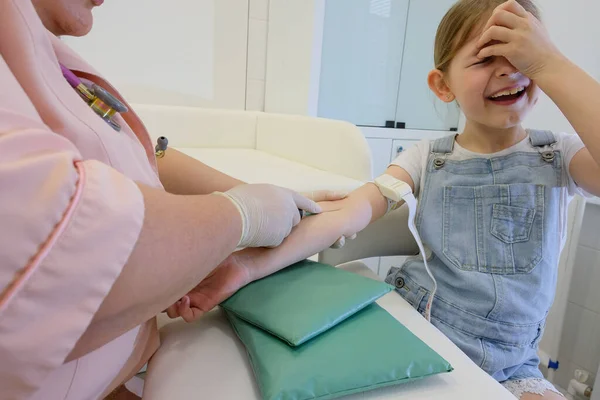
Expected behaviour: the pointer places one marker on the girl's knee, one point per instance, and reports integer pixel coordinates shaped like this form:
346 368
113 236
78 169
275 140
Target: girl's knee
548 395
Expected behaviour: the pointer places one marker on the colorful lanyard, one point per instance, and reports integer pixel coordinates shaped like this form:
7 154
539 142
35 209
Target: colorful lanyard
100 101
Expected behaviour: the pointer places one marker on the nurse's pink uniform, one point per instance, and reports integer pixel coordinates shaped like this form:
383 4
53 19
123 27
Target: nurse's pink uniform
70 216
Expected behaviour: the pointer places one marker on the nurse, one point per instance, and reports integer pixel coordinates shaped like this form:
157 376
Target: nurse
97 235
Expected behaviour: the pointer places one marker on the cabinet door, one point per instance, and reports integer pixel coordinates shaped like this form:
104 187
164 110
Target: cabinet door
361 58
417 107
380 151
155 52
398 146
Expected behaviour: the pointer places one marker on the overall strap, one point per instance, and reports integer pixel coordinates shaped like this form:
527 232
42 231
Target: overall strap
444 145
541 138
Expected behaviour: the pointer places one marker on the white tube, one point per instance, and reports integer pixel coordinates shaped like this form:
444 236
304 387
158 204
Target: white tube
544 357
578 388
545 361
596 393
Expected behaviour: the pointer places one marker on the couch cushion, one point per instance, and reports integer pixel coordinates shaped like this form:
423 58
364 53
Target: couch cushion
199 127
335 146
255 166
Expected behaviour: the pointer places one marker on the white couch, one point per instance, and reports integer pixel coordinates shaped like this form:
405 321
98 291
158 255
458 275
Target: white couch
301 153
205 359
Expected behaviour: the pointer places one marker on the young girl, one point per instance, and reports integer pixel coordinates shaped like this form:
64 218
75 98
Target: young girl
492 200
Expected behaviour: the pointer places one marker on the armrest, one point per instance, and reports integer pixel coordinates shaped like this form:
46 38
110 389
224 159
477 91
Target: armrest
334 146
388 236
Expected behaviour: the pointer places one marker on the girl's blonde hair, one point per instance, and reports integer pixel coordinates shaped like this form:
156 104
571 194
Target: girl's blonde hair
460 21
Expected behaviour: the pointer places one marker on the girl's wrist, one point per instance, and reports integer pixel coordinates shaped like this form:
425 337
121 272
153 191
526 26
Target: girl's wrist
556 67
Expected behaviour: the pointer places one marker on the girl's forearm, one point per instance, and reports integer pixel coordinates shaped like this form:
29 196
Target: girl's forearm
318 232
577 94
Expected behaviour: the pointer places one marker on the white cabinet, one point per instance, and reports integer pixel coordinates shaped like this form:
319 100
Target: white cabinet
361 60
380 150
398 146
374 60
384 151
417 107
387 144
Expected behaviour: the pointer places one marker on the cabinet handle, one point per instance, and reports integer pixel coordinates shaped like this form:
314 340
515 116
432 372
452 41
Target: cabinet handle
399 150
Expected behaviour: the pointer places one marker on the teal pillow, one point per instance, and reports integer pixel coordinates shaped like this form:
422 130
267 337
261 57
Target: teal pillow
304 300
369 350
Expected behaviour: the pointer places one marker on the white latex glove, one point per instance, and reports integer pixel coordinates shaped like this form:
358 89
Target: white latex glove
268 213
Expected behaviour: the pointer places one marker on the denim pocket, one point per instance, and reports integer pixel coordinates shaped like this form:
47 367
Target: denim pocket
495 229
512 224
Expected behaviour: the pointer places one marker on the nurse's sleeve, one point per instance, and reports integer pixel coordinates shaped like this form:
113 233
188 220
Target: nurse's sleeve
67 228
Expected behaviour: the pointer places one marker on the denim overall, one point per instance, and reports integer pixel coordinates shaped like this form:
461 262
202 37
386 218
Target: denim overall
492 228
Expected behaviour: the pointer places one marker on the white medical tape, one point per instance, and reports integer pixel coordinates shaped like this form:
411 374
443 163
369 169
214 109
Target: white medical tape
412 212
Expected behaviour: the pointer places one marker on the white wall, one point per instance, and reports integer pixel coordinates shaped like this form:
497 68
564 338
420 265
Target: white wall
189 53
580 343
576 343
290 53
258 27
203 53
596 394
574 29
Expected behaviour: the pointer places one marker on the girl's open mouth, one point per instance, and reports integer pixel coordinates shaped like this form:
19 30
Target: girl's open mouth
508 96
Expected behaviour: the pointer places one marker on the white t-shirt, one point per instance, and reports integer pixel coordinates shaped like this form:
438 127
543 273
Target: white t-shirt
414 161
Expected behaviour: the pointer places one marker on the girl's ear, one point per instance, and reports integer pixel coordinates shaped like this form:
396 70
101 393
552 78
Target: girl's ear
438 86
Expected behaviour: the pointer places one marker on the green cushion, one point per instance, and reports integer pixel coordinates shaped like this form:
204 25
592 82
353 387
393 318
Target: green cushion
369 350
304 300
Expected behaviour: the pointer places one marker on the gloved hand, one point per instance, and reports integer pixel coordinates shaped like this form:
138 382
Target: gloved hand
268 213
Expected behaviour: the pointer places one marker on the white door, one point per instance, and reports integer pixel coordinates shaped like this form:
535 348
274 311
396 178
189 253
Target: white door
188 52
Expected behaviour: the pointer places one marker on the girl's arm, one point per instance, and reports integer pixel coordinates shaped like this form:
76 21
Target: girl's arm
347 217
315 233
514 33
577 95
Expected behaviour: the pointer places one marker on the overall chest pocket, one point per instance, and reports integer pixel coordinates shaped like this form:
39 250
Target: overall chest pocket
495 229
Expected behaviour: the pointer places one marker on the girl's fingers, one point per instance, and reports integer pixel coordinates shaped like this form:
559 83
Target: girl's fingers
496 50
495 33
